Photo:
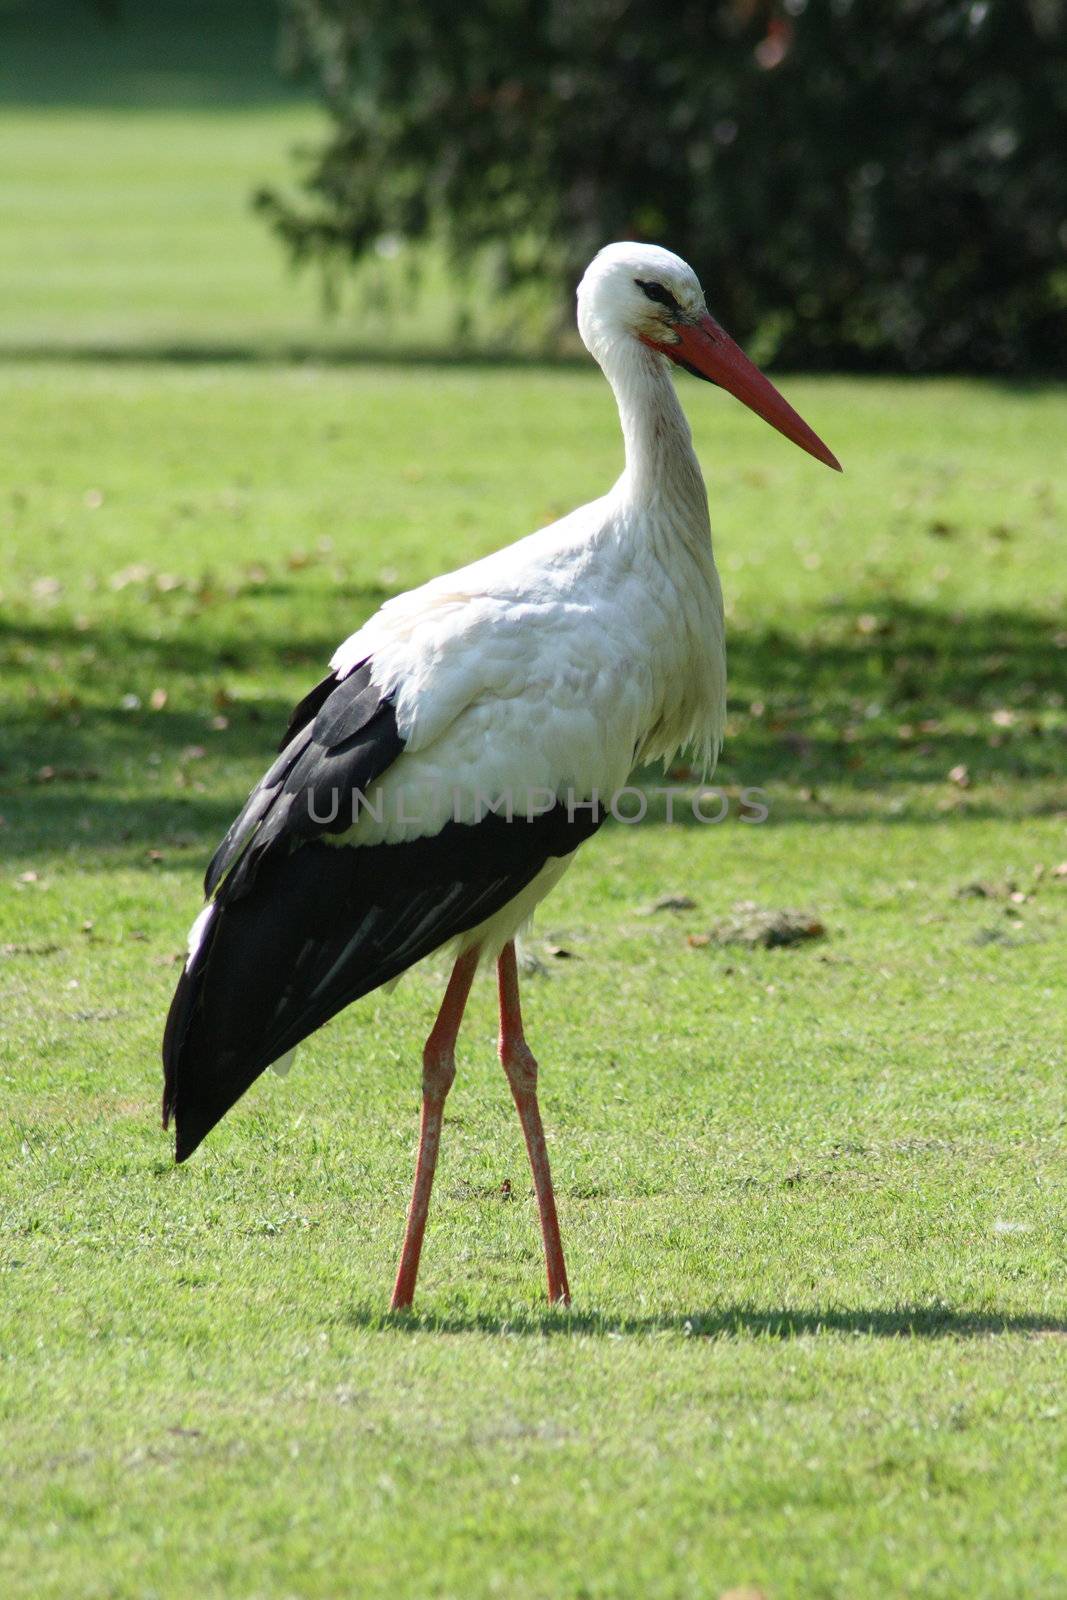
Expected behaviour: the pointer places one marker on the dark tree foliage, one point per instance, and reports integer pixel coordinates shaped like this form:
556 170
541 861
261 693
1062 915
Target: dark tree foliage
863 183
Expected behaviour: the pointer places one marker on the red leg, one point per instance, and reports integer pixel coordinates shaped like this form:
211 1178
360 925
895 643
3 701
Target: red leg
438 1071
521 1068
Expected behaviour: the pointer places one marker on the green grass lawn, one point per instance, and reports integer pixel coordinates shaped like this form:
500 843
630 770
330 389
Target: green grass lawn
813 1199
131 156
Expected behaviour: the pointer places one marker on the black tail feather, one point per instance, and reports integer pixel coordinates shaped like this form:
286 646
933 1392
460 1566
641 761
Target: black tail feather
324 925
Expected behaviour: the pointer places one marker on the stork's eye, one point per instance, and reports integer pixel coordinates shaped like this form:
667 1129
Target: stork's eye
661 295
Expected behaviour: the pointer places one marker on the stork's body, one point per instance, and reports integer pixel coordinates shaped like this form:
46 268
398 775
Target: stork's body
436 785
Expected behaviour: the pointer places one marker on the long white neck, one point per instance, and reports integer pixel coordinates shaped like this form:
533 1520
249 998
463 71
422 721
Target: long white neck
662 508
662 476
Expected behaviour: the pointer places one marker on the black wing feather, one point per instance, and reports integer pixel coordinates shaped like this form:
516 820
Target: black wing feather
339 741
303 927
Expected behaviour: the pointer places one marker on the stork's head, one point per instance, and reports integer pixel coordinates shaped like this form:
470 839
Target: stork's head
644 293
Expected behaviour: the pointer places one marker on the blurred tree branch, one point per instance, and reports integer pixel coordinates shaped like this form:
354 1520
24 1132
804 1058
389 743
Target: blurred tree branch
863 183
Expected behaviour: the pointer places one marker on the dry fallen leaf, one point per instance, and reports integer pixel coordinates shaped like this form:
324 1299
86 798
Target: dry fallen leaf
138 573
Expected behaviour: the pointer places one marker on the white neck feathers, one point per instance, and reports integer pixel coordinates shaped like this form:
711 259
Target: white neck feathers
662 476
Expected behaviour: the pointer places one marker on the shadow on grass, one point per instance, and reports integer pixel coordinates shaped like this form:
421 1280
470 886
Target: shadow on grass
722 1322
876 694
265 352
334 351
867 701
205 643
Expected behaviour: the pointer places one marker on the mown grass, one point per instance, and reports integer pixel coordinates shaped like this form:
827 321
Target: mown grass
132 157
813 1199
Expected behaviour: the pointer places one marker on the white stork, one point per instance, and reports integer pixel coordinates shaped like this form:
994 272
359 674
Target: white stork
436 784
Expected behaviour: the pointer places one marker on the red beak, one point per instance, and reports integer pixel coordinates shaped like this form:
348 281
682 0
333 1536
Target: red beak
707 351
